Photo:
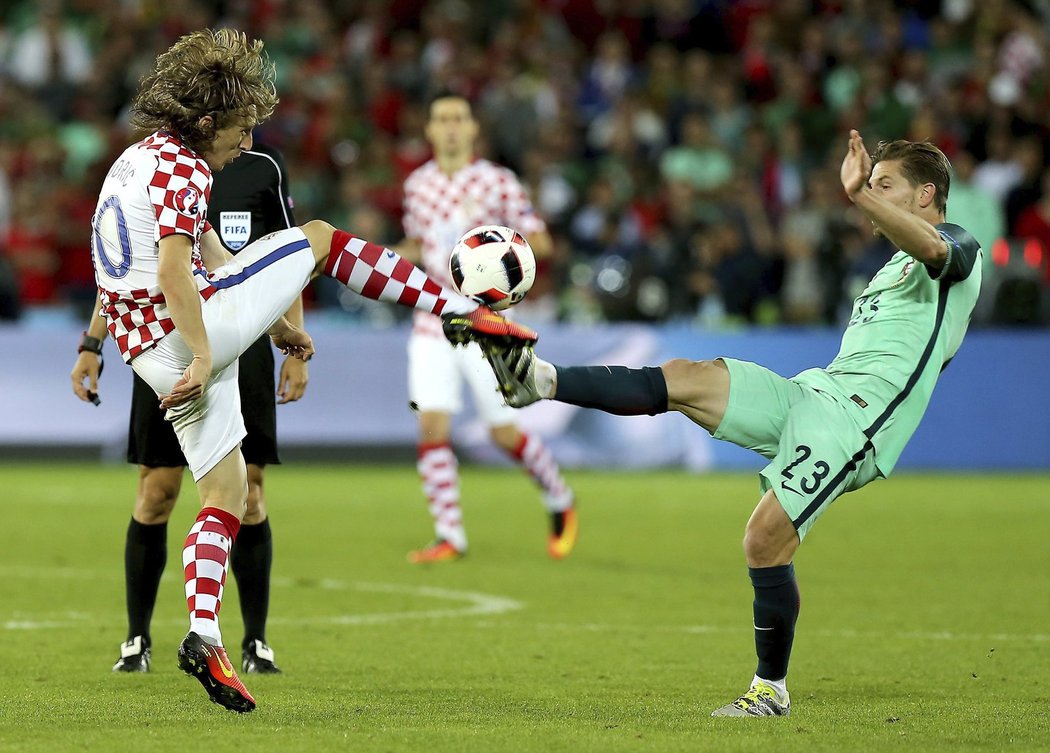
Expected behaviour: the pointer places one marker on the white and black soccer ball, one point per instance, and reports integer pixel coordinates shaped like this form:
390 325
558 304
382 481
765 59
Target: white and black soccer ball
493 264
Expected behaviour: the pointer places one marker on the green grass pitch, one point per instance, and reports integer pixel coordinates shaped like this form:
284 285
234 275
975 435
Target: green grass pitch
925 621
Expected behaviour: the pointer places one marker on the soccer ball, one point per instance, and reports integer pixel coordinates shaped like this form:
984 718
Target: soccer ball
493 264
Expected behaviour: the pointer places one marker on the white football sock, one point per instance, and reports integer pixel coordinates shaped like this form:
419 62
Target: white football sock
779 685
546 378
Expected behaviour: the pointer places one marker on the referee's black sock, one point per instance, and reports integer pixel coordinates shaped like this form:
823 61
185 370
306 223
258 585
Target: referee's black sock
251 560
145 554
613 389
776 609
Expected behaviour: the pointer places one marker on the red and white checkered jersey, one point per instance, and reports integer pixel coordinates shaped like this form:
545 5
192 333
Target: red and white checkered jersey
156 188
440 208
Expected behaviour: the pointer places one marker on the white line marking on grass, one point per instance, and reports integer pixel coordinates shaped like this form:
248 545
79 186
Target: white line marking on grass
474 604
62 620
914 635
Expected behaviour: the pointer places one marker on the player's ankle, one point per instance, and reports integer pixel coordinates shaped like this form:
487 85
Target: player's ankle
780 686
546 379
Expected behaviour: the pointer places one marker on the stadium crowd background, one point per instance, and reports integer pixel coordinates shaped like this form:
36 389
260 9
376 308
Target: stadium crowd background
684 152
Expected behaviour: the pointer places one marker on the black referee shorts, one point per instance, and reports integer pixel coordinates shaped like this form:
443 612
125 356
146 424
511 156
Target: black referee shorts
152 441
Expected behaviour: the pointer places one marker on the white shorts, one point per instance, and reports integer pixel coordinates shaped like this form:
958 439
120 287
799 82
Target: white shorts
252 291
436 371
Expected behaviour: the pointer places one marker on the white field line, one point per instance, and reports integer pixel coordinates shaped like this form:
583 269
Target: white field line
909 635
475 604
470 604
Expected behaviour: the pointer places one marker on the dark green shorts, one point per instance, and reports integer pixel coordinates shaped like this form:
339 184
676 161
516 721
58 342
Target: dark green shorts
816 450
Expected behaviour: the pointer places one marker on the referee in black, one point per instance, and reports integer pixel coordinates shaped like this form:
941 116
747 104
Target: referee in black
249 199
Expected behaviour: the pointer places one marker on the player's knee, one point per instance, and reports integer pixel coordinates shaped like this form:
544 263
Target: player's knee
319 234
756 543
694 383
158 492
238 507
433 428
769 542
685 376
254 505
507 436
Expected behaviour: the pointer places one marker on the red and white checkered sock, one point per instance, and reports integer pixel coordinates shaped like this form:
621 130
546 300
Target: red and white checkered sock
534 456
440 473
383 275
204 562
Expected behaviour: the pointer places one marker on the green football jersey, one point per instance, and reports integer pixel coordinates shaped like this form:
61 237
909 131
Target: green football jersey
904 329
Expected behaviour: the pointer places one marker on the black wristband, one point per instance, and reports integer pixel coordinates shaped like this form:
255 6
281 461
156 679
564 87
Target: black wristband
89 343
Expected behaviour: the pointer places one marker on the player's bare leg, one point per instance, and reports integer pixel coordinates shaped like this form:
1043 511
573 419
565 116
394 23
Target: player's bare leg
699 390
158 491
225 487
145 555
770 538
223 491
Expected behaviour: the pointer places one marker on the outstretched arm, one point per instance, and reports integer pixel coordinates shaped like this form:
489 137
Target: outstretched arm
907 231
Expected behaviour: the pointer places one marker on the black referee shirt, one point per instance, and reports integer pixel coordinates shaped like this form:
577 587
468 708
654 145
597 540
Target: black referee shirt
249 198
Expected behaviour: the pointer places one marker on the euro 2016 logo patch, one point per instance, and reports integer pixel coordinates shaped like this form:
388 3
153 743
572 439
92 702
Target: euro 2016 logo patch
904 272
235 228
187 201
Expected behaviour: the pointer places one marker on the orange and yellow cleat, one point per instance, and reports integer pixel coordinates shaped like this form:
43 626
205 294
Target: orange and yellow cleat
438 551
210 665
565 529
485 326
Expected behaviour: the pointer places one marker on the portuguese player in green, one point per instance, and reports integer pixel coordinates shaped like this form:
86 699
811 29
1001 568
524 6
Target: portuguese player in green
825 431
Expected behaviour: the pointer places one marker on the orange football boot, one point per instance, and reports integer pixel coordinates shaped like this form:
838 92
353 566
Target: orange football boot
212 667
565 529
438 551
484 325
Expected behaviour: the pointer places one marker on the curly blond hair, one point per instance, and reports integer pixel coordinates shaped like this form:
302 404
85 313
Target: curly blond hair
217 72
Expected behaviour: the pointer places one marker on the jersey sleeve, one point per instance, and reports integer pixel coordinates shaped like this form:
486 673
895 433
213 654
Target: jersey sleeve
962 254
517 208
178 193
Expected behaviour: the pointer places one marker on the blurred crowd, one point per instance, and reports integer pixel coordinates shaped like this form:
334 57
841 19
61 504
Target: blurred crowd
685 153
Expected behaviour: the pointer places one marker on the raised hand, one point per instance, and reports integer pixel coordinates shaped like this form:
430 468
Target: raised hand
856 166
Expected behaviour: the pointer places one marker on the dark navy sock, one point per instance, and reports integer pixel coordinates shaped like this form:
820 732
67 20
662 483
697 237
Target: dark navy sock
776 609
613 389
251 559
145 554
